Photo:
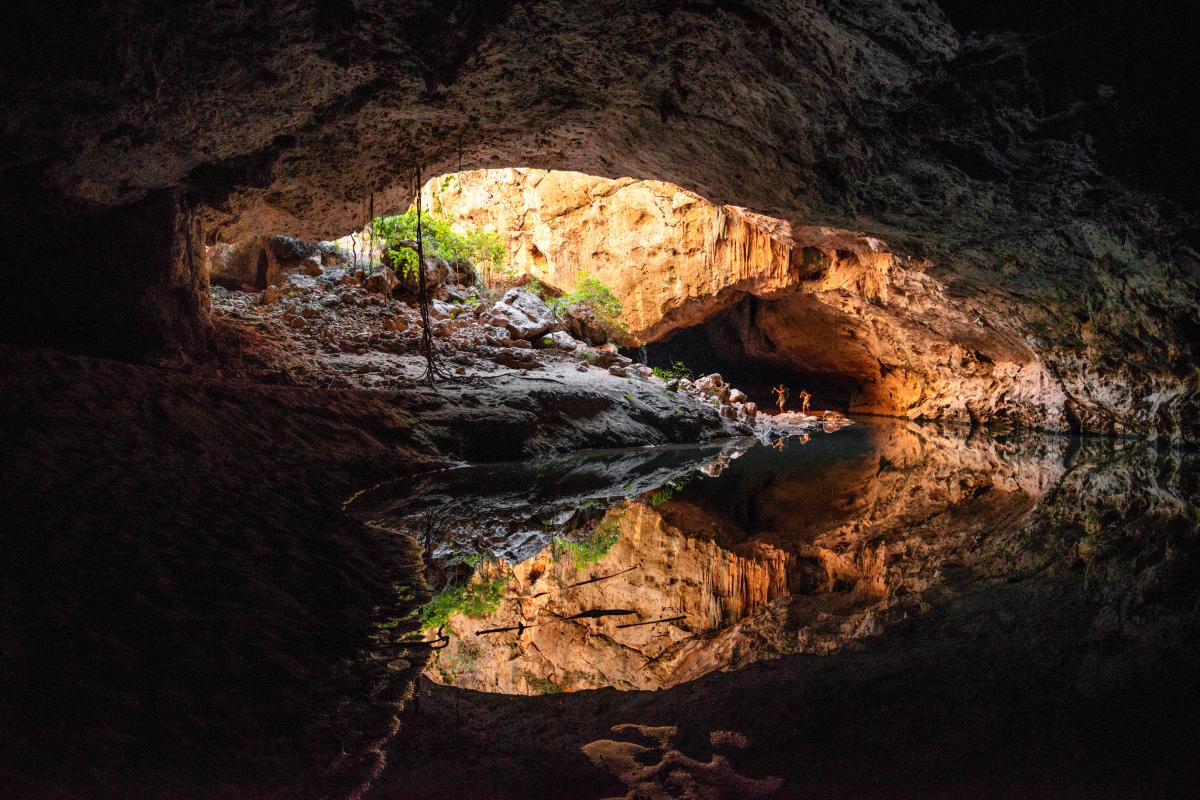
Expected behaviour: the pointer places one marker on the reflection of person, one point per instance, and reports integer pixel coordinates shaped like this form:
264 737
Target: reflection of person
778 443
781 394
805 439
804 398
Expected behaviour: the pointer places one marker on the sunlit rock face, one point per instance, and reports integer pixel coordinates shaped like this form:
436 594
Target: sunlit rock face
673 258
659 573
808 299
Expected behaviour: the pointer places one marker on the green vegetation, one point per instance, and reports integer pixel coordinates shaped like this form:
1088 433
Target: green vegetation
595 547
532 284
478 249
676 371
667 491
543 685
474 599
595 295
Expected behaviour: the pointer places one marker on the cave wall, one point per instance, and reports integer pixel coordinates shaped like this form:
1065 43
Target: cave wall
130 280
672 257
824 307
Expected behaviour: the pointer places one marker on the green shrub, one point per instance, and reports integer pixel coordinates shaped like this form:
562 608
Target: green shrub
595 295
667 491
595 547
480 249
474 599
542 685
676 371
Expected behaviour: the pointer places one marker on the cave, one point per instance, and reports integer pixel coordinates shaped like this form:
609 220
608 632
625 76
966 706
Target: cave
276 526
732 345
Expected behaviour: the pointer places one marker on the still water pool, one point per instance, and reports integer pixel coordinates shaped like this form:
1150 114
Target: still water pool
643 569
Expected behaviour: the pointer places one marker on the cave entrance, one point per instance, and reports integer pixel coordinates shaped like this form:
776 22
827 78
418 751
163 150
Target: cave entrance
740 345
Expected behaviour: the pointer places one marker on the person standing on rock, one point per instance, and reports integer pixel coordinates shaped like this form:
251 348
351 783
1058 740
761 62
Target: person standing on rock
805 397
781 394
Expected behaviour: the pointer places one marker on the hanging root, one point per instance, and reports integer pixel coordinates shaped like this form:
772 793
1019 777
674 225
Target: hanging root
433 365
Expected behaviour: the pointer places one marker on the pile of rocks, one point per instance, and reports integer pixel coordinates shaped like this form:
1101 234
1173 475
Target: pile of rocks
263 261
345 324
712 389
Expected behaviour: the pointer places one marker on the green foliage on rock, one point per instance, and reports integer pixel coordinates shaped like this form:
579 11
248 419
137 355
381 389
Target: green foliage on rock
482 250
678 370
476 598
592 549
668 490
592 293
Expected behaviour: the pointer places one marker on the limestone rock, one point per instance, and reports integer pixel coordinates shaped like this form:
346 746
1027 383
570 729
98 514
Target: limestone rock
523 313
559 340
259 261
581 323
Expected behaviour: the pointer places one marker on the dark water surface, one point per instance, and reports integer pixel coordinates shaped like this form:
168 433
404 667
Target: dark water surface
644 569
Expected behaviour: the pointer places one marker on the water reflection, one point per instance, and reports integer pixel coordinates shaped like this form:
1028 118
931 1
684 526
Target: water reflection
644 569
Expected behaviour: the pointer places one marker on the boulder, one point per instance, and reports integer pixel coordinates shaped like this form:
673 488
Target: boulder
607 358
241 265
437 273
558 340
523 313
497 337
580 322
381 281
641 370
460 294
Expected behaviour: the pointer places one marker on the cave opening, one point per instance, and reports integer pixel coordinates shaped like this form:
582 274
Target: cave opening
665 274
746 356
